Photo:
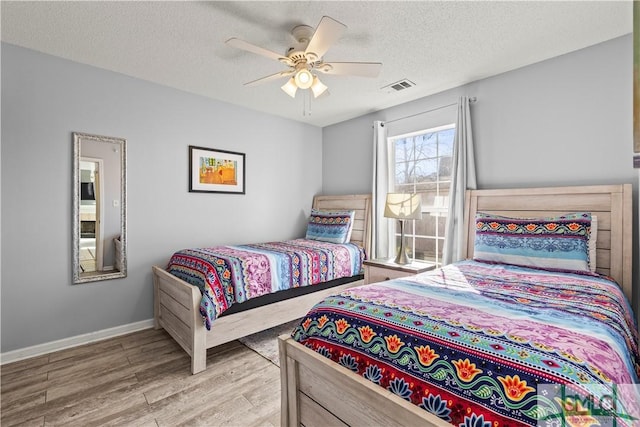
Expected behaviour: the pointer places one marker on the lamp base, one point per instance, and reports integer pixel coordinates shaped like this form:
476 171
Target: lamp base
402 257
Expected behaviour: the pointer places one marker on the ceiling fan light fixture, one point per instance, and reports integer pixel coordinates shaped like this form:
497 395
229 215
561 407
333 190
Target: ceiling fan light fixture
318 87
303 78
305 58
290 87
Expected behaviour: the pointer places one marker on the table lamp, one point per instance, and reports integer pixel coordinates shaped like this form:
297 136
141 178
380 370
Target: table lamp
402 207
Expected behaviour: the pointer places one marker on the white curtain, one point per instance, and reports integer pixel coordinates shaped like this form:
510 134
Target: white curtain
380 233
463 177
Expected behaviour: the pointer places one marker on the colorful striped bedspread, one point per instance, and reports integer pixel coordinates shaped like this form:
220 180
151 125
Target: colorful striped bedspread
475 343
233 274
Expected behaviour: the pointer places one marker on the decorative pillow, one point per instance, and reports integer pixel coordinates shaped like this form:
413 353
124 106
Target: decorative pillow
555 243
593 237
333 227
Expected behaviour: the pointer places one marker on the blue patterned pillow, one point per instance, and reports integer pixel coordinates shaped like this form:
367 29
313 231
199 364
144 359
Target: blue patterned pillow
555 243
333 227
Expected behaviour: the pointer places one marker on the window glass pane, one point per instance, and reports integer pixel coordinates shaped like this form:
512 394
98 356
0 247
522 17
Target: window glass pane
403 188
425 186
425 249
444 187
397 239
427 170
445 140
403 149
404 172
426 226
444 168
442 223
426 148
428 197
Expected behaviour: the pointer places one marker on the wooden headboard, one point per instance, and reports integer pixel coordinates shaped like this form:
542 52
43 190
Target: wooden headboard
611 204
361 203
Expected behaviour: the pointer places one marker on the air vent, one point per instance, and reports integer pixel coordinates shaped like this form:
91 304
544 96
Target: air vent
399 85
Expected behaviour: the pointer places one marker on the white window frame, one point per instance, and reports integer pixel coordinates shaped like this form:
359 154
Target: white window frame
439 211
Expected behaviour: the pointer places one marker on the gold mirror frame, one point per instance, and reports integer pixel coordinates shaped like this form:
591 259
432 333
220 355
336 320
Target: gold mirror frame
116 244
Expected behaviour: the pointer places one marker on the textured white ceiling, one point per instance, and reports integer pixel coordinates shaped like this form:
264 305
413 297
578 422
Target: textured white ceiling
437 45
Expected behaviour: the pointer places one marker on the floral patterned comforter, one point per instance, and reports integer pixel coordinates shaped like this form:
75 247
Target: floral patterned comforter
488 345
233 274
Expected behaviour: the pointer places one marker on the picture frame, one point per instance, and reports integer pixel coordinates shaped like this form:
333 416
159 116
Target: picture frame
216 171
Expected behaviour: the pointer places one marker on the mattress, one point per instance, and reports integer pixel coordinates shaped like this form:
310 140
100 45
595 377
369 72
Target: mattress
228 275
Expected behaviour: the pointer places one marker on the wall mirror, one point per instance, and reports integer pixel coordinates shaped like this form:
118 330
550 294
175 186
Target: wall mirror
99 208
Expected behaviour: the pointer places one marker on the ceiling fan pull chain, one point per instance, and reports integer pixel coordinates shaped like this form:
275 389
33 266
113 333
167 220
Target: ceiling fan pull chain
306 104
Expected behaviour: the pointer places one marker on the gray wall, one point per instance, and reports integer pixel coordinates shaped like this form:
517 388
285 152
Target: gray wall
564 121
44 100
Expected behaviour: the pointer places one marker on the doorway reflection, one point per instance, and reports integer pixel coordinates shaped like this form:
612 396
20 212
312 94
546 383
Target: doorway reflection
88 216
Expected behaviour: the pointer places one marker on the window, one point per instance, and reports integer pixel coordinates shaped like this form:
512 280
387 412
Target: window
422 164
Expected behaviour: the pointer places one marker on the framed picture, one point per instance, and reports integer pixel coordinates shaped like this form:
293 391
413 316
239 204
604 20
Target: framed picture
215 171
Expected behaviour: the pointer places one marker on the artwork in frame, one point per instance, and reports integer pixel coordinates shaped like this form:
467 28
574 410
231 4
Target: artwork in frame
216 171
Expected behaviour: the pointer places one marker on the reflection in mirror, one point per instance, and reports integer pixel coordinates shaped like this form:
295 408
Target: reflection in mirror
99 208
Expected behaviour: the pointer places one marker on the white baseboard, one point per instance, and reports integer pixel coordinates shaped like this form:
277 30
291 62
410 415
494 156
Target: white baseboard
40 349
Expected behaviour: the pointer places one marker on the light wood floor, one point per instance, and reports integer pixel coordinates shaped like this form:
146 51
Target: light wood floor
141 379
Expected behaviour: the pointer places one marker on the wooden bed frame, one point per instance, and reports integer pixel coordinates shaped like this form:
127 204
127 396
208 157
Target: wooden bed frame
318 392
177 303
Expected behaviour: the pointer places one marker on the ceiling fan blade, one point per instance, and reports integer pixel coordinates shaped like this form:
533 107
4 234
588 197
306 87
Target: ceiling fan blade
361 69
269 78
241 44
327 33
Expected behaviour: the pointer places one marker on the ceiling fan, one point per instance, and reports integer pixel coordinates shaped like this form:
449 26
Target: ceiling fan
306 57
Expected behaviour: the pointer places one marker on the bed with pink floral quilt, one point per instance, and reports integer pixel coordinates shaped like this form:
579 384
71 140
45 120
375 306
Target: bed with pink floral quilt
473 342
228 275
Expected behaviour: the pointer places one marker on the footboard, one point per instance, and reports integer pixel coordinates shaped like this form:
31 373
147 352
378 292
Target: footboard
319 392
176 310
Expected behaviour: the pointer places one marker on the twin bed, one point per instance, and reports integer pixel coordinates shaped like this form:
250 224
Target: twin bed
178 300
480 343
474 343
